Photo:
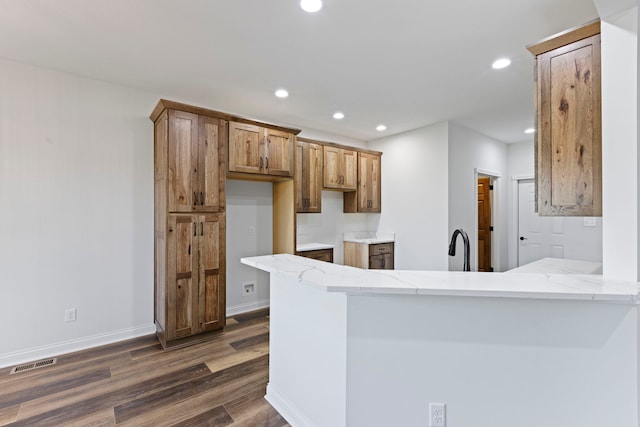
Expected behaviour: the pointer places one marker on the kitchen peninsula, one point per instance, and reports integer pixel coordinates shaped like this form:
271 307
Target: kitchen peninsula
360 347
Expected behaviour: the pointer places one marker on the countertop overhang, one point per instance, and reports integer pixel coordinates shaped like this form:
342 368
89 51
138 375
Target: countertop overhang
338 278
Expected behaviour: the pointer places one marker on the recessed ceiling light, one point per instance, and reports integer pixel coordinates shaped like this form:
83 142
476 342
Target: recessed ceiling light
530 130
338 115
380 128
501 63
281 93
311 6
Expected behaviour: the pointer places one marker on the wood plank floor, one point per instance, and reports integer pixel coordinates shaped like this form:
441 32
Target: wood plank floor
135 383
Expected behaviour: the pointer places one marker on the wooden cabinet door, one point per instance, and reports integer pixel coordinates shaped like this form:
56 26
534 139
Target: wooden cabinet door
569 129
332 177
368 182
340 168
211 272
182 161
278 153
245 148
211 173
182 294
349 169
308 179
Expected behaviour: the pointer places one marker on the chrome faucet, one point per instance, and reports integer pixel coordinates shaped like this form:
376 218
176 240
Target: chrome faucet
452 247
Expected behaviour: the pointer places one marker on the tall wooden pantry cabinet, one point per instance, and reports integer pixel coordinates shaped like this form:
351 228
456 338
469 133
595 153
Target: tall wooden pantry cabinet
189 156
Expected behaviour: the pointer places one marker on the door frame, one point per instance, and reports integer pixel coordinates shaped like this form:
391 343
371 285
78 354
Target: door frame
514 212
495 218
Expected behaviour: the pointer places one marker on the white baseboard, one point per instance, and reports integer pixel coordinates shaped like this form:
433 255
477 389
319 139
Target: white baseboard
285 408
247 307
29 355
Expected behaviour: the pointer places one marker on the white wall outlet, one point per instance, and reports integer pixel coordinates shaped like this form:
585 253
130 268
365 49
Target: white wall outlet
589 221
70 314
252 230
248 288
437 415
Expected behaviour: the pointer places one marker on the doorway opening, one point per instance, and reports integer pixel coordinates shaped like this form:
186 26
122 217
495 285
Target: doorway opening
485 223
486 220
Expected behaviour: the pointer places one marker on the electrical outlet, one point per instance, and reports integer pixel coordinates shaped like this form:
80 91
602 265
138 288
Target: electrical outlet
252 230
589 221
437 415
70 315
248 288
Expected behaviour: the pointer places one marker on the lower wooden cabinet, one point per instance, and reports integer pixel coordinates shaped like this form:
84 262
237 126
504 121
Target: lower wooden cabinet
190 292
320 254
379 256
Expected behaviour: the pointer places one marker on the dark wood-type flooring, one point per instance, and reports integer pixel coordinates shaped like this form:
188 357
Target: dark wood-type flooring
135 383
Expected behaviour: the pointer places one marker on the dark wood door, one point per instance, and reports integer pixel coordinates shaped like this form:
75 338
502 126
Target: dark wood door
484 224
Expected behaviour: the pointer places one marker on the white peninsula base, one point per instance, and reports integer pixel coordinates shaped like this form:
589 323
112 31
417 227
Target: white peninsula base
350 347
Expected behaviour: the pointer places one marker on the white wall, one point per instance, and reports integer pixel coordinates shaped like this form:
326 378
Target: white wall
249 233
619 146
582 243
76 224
414 196
494 362
468 151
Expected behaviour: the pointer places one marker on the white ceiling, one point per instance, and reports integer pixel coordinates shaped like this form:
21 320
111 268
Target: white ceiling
406 63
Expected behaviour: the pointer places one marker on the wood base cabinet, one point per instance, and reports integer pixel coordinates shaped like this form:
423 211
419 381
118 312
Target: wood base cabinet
195 300
189 271
376 256
325 255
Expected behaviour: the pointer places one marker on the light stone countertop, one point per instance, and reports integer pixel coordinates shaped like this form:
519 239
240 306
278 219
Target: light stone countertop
302 247
560 266
369 237
339 278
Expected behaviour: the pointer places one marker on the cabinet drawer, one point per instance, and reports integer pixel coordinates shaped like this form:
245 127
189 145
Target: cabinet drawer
381 262
380 248
320 254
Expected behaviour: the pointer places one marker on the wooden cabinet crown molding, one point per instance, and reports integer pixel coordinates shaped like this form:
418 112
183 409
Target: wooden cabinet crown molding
566 37
165 104
342 146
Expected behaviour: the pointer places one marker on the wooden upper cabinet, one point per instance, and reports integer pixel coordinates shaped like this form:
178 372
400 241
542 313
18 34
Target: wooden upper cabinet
340 168
195 151
569 131
258 150
367 197
308 177
278 152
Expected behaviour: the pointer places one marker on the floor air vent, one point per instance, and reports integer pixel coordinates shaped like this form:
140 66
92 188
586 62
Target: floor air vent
33 365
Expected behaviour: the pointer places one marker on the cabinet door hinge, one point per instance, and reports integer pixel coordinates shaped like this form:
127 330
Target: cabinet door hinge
491 228
490 187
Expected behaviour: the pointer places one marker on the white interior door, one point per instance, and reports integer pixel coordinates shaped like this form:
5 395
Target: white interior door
539 236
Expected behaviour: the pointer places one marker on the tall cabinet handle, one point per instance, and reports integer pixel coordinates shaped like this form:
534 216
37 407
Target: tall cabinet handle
202 228
201 198
267 166
195 198
194 229
260 162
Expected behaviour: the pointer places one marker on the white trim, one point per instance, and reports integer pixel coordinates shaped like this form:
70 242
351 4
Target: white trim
495 219
493 174
521 177
247 307
63 347
285 408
